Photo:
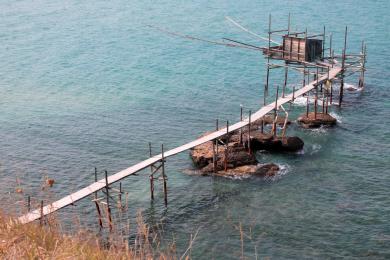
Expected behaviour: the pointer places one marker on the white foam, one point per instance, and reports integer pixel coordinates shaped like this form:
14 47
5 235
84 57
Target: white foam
301 101
283 170
352 87
337 116
315 148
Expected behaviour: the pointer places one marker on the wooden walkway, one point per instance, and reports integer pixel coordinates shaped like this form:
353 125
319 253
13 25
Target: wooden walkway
78 195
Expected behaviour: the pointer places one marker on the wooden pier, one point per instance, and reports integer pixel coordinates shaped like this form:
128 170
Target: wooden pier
298 51
103 183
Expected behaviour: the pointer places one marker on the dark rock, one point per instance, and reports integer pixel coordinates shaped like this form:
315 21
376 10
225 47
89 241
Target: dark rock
292 143
236 156
321 119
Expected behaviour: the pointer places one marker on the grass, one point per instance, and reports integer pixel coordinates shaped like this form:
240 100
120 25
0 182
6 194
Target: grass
33 241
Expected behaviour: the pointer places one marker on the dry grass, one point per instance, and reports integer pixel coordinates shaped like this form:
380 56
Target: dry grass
33 241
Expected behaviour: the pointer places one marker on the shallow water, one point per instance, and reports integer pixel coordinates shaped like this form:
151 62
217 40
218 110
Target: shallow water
89 84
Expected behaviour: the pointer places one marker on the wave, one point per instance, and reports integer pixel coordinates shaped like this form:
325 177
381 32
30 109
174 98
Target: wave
337 116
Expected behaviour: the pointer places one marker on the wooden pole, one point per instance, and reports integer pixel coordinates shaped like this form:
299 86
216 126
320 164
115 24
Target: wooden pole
361 79
214 158
285 79
241 121
293 94
323 44
268 58
262 125
275 110
330 45
227 145
28 203
307 104
343 67
327 102
97 204
216 140
249 132
96 181
151 177
108 201
41 211
364 63
316 96
361 71
120 194
164 176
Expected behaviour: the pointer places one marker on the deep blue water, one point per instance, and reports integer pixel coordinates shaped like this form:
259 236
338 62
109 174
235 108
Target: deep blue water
87 83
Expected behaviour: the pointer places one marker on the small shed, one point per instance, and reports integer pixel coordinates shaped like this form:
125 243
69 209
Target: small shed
301 49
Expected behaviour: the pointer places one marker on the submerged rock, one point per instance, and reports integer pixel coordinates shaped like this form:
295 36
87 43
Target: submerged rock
260 170
310 121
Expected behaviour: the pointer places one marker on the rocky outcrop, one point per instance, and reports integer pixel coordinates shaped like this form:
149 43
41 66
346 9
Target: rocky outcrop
312 121
292 144
235 156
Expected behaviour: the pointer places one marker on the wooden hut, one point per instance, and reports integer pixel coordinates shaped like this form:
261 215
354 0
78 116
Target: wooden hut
297 49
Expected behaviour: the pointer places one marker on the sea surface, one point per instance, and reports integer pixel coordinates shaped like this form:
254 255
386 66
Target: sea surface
87 84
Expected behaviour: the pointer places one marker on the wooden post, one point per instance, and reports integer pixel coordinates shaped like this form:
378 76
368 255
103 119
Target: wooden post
361 71
343 68
97 204
268 58
304 76
241 121
108 201
227 145
327 102
275 110
364 63
164 176
249 132
120 194
96 181
41 212
151 177
293 94
262 125
214 158
28 203
316 96
216 140
323 44
285 79
330 45
361 78
307 104
331 92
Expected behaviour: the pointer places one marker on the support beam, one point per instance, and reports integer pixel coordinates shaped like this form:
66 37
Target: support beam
108 202
164 175
341 94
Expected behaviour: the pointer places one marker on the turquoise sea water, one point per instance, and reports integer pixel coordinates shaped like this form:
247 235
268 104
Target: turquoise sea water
87 83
